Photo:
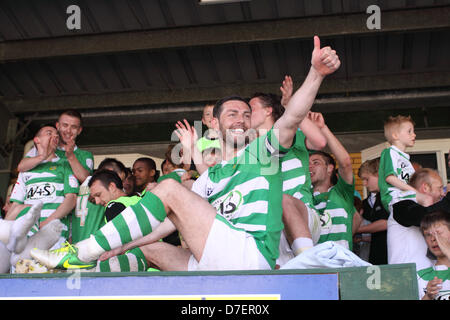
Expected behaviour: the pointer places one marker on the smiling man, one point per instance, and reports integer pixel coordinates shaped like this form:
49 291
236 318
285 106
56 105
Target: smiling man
69 127
233 219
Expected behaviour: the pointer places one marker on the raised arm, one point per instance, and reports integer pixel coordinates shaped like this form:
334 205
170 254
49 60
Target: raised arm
188 138
337 149
78 170
323 62
286 89
43 152
314 138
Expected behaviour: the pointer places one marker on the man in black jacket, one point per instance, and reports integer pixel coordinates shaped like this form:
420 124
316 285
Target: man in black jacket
374 212
409 214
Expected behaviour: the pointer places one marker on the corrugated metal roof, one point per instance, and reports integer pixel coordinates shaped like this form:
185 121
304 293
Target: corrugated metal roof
44 67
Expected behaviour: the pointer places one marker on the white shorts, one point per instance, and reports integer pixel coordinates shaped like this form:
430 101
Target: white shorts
314 227
229 249
314 224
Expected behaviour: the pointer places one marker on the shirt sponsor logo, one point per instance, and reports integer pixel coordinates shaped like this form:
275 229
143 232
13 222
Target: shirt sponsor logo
41 191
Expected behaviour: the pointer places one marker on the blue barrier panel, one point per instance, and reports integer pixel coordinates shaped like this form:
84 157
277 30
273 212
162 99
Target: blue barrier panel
215 286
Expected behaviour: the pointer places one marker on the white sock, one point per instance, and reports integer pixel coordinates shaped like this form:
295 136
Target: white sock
44 239
89 249
21 226
301 244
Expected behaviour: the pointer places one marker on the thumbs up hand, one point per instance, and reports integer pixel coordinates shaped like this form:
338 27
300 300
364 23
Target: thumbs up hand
324 60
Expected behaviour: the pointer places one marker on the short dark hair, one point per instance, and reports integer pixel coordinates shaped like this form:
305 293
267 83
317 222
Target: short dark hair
329 160
106 177
151 164
270 100
117 165
72 113
218 105
48 124
434 217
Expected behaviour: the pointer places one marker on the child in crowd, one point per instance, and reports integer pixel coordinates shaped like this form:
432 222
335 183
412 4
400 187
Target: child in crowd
434 282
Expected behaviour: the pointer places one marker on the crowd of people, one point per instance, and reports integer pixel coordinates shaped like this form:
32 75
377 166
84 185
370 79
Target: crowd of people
254 192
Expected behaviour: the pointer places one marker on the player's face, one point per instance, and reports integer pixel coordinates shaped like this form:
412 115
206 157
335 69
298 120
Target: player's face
100 195
234 123
370 181
259 113
430 237
143 174
406 135
318 169
48 136
68 127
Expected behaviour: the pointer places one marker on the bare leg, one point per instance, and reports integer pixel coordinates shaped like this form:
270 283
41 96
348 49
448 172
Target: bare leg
192 215
166 256
295 219
296 224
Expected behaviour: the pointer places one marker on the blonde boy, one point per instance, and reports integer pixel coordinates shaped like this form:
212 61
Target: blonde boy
395 165
394 173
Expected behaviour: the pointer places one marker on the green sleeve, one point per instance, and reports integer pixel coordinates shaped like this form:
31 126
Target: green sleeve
386 167
71 184
86 159
347 191
172 175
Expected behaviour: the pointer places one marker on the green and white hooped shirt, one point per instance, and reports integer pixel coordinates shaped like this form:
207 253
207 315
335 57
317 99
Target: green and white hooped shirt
85 158
47 182
247 192
335 208
428 274
295 171
394 162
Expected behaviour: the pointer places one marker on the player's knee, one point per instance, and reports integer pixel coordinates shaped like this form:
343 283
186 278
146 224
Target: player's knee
166 188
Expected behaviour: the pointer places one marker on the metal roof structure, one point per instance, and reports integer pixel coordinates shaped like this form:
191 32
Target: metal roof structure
136 66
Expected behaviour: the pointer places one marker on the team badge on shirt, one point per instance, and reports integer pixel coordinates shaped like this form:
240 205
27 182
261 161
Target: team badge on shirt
228 204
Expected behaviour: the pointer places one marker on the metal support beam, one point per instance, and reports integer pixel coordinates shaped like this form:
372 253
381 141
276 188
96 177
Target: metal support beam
199 94
225 34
